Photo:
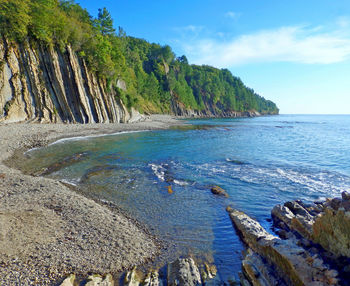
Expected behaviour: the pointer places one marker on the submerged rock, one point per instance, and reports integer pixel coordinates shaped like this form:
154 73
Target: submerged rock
216 190
183 271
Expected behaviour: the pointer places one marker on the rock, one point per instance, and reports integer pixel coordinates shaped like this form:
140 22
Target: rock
292 264
335 203
208 272
297 209
132 278
183 271
282 213
332 231
46 84
69 281
216 190
98 280
295 217
258 272
345 196
152 279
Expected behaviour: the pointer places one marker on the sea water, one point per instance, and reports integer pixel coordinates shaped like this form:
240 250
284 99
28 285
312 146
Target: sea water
163 178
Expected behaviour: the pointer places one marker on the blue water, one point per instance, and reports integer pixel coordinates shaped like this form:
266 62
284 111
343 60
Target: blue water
260 162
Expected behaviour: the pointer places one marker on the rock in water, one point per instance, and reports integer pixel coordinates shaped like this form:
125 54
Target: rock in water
69 281
291 264
183 271
97 280
216 190
152 279
132 279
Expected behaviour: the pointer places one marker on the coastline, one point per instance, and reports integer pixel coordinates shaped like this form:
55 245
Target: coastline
47 229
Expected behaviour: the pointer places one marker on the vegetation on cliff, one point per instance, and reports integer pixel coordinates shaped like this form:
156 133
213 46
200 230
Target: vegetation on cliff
154 76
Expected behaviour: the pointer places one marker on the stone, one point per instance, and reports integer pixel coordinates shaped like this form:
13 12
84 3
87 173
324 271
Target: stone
98 280
216 190
183 271
69 281
345 196
132 278
332 231
152 279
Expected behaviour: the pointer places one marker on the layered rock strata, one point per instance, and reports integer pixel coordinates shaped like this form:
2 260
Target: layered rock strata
46 84
271 260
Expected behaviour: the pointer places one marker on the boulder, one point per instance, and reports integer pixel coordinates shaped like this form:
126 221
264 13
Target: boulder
69 281
345 196
98 280
132 278
152 279
216 190
183 271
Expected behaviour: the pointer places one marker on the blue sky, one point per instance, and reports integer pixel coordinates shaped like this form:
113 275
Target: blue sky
296 53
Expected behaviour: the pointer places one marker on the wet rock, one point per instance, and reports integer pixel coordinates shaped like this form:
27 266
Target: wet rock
69 281
297 209
208 272
291 263
257 271
152 279
98 280
183 271
132 278
216 190
294 217
345 196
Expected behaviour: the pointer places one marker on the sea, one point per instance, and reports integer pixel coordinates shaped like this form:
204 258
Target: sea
164 178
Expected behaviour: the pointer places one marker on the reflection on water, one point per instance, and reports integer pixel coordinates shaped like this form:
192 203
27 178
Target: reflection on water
163 178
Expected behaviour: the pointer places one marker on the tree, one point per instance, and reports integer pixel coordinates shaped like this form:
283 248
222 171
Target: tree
14 18
105 22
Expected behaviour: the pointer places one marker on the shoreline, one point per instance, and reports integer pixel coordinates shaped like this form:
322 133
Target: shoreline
49 230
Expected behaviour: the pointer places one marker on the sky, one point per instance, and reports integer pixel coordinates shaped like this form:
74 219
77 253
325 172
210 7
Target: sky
295 53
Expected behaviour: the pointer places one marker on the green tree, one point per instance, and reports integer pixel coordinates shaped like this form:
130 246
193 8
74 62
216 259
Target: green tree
105 22
14 18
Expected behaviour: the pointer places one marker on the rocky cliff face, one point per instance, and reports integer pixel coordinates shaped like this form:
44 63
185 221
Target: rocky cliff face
48 85
210 111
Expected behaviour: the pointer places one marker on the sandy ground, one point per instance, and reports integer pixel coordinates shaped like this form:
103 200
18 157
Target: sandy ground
47 230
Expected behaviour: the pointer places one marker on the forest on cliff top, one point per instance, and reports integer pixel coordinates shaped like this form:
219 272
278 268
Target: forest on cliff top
153 74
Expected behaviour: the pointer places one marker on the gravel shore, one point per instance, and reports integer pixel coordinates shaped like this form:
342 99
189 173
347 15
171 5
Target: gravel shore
47 230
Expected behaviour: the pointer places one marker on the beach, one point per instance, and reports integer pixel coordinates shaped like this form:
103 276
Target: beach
47 230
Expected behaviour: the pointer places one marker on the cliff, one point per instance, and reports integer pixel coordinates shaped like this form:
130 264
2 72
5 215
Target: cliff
49 85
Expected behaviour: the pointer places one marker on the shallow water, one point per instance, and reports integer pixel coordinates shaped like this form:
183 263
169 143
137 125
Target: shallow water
260 162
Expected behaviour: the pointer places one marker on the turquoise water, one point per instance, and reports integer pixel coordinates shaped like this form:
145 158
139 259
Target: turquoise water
260 162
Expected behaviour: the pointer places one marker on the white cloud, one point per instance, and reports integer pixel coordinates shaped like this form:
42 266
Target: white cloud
233 15
298 44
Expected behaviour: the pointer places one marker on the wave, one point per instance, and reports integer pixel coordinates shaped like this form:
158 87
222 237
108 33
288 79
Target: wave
77 138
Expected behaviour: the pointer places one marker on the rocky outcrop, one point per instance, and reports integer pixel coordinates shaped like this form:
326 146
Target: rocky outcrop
183 271
273 261
46 84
